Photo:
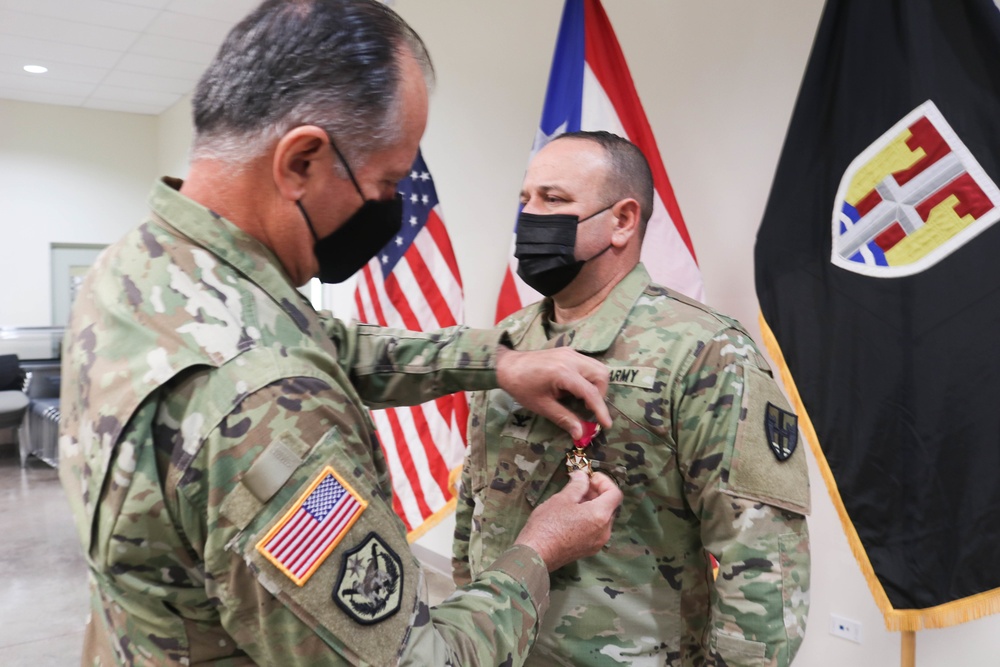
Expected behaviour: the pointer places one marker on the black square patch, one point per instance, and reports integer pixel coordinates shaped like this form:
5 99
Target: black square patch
782 429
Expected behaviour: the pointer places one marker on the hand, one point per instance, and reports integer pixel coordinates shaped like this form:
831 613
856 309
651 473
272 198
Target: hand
537 380
574 523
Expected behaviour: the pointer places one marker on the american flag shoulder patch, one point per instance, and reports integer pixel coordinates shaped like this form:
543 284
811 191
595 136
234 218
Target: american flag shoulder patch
302 539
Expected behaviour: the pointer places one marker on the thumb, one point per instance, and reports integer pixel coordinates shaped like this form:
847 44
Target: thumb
579 485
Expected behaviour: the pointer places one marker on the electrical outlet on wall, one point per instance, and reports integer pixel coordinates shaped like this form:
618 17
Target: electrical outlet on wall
845 627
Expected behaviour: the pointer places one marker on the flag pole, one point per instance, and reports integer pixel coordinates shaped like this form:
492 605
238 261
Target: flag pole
909 648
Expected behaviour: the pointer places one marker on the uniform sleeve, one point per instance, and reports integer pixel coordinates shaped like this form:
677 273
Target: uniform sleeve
393 367
282 450
751 503
463 527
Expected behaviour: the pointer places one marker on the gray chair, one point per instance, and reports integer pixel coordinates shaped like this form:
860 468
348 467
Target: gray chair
13 401
39 435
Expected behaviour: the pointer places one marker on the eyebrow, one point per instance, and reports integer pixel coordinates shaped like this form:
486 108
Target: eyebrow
546 189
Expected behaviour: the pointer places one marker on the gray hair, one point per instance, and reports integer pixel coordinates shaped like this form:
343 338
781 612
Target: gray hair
330 63
628 175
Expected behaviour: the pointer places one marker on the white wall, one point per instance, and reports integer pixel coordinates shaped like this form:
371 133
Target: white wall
67 175
718 79
173 139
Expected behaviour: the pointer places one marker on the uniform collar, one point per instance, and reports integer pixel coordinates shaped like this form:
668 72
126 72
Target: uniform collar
220 237
594 334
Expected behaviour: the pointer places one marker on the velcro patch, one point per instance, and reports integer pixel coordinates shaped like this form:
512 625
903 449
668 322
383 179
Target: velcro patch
370 586
303 538
753 471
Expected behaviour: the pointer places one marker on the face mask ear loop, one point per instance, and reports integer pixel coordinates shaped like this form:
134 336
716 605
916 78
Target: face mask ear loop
305 215
346 166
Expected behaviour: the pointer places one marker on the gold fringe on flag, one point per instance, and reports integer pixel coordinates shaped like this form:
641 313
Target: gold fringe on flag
438 517
896 620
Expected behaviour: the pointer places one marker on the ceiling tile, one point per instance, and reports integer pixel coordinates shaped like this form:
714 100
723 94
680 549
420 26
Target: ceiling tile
154 4
150 82
177 49
42 51
42 98
129 107
67 32
181 26
93 12
28 83
229 11
140 64
119 94
57 71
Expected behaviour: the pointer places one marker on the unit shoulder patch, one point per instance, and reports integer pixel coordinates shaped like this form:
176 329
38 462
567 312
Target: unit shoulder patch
370 586
782 428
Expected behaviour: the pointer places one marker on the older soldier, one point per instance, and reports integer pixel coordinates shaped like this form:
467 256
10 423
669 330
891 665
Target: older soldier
703 443
230 491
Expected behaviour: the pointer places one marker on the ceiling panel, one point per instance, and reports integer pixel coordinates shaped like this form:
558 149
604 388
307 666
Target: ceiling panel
220 10
177 49
138 56
28 83
43 52
20 24
57 71
43 98
160 84
152 97
118 105
184 26
93 12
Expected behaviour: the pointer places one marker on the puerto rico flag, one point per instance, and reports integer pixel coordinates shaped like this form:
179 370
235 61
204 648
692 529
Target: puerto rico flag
876 275
300 542
414 283
590 88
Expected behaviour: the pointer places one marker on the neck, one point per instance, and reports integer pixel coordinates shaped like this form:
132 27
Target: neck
583 297
236 197
248 199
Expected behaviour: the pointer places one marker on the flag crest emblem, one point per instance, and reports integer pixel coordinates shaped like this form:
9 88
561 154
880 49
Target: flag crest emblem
302 539
910 199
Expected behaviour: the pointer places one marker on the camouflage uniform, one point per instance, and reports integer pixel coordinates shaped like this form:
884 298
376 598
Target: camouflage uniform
688 447
204 400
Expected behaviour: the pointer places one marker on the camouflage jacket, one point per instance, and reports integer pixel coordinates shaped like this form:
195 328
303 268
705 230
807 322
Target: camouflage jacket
228 486
691 399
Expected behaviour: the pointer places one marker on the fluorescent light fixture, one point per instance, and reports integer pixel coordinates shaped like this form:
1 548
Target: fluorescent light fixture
36 69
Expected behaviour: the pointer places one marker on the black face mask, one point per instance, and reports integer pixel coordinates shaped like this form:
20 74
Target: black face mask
346 251
545 246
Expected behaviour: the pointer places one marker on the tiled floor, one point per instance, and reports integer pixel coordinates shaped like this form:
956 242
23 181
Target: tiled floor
43 578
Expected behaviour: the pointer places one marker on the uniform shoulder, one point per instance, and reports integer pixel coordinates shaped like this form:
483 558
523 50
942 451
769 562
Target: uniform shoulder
666 307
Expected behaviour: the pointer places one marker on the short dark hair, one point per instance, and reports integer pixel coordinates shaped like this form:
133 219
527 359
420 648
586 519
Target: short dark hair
330 63
628 175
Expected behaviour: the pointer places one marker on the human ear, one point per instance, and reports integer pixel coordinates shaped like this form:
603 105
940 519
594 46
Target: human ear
291 163
628 215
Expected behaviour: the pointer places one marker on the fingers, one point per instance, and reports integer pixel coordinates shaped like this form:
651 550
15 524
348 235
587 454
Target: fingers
562 417
605 494
578 488
593 398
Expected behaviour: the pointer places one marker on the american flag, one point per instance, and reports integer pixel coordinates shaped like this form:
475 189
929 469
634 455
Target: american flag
414 283
299 543
590 88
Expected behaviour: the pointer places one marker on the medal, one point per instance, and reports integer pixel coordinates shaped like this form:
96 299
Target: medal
576 458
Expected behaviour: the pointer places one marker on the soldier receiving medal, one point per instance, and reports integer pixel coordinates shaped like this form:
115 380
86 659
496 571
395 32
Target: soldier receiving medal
702 443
